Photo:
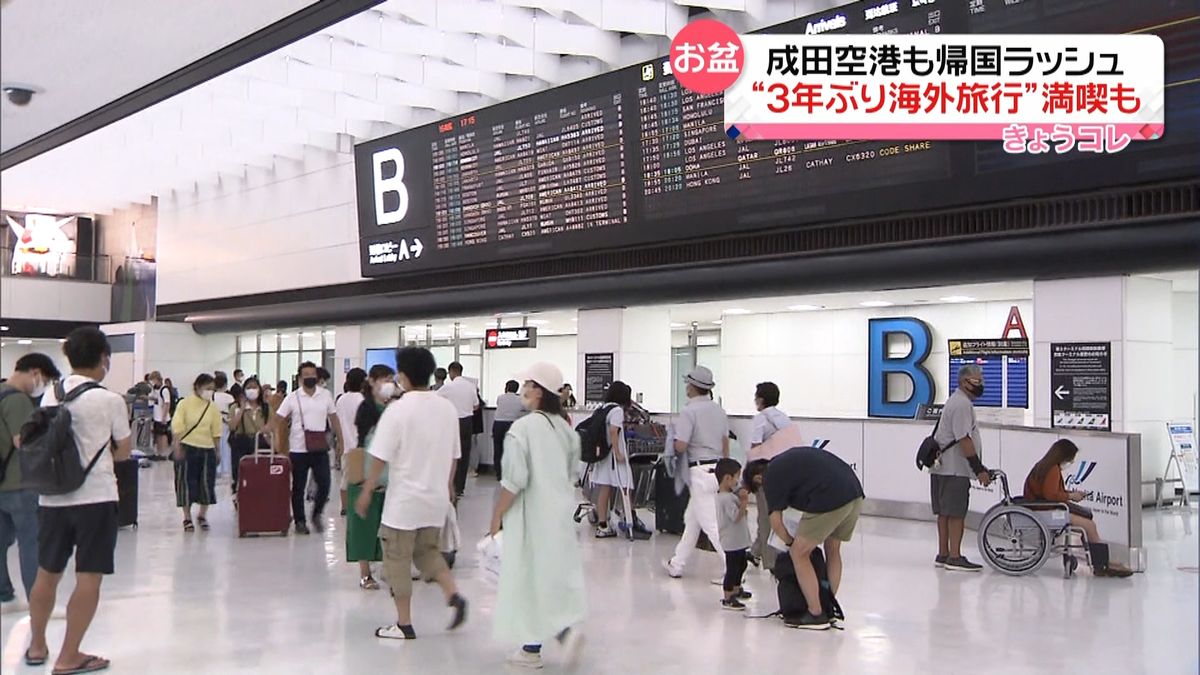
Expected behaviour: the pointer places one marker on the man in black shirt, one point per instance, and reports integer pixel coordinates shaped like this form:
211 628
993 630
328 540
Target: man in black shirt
827 491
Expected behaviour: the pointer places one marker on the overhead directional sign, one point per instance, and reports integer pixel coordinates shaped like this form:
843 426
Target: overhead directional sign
394 251
510 338
1081 385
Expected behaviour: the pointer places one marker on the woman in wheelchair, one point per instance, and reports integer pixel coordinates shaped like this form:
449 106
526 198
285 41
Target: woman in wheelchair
1045 484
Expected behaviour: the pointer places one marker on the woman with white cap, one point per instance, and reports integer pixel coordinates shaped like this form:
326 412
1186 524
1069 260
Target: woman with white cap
541 575
702 432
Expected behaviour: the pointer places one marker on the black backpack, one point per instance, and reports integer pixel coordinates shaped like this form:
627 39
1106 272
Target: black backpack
792 604
50 461
593 435
7 434
930 449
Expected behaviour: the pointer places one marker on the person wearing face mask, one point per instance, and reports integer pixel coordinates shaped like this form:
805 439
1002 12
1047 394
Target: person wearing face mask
1045 484
247 417
950 480
362 532
19 507
197 429
307 412
347 404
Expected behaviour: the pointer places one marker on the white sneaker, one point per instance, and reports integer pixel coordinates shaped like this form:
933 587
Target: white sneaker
524 659
392 632
573 648
14 606
674 571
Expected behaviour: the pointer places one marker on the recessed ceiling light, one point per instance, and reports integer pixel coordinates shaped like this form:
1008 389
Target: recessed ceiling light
575 319
24 342
309 334
876 303
678 325
957 298
737 310
537 322
805 308
330 332
718 322
4 329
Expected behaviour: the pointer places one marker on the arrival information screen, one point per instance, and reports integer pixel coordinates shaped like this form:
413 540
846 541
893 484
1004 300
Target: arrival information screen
630 157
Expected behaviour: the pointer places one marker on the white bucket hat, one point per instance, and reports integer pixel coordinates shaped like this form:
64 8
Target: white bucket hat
546 374
701 378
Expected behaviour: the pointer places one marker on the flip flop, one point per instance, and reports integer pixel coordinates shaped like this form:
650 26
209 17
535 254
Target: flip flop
35 661
90 664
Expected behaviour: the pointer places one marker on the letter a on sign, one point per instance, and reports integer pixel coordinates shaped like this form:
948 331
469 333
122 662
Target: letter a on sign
1014 323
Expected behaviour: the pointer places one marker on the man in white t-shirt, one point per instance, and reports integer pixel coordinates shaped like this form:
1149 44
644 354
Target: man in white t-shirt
462 392
82 523
308 412
416 442
223 401
769 420
160 402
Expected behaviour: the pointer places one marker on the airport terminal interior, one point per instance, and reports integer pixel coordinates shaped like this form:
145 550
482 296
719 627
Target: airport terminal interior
338 204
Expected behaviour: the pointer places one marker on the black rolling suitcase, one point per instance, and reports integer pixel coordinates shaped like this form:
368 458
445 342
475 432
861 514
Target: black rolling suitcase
668 506
127 492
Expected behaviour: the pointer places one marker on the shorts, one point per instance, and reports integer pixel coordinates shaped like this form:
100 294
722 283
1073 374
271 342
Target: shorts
838 523
404 548
162 429
949 495
89 531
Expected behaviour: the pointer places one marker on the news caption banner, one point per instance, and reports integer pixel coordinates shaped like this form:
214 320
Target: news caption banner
1035 93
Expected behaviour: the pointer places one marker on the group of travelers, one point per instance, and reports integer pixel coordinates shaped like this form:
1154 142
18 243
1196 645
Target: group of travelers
402 446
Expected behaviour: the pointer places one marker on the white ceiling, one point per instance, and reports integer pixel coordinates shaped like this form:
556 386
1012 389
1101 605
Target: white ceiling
401 64
82 55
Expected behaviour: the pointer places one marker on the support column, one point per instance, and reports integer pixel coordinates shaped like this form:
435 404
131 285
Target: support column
640 342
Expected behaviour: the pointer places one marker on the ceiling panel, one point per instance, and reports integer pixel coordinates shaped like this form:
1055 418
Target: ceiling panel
400 64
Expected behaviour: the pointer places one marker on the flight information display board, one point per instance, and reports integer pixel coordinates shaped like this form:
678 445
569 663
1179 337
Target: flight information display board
630 157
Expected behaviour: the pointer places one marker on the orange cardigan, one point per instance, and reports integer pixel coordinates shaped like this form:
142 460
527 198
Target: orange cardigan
1050 489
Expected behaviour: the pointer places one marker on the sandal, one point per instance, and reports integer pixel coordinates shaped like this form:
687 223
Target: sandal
188 527
203 523
368 584
34 661
90 664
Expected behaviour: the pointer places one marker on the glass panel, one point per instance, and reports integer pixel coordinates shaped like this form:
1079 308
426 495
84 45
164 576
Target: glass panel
288 362
315 357
683 359
248 363
472 366
330 341
310 340
268 368
268 342
247 343
443 355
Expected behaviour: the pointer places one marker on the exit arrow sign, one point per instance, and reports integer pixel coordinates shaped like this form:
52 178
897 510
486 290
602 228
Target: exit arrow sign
1062 393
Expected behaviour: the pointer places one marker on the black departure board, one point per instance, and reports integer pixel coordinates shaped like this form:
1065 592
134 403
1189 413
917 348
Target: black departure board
631 158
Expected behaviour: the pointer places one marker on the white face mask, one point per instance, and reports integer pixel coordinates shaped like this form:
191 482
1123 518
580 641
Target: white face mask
206 394
387 390
251 394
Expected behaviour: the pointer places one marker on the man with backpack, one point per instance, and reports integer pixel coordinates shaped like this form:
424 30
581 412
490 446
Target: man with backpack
65 457
957 435
18 506
161 401
826 490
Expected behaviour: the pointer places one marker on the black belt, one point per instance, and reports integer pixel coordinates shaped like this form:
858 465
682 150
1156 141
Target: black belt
702 462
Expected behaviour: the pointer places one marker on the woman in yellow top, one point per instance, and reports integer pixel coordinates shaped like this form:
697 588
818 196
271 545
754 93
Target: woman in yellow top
197 429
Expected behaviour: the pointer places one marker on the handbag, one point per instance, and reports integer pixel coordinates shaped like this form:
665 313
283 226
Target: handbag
930 450
491 553
782 440
314 441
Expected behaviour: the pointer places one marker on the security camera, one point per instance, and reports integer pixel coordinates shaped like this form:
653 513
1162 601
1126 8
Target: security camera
19 94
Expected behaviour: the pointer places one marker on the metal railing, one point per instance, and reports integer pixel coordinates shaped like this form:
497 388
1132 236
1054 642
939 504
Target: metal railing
70 266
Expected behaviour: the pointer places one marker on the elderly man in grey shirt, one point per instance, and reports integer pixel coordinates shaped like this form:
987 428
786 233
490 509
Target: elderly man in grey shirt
702 431
950 483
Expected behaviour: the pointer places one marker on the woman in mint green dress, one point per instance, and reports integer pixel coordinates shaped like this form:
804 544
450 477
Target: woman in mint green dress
541 593
362 534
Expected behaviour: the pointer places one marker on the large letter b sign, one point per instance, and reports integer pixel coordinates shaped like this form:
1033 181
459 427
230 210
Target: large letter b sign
882 364
391 196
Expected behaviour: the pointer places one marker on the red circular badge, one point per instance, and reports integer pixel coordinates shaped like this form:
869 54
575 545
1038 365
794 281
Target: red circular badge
707 56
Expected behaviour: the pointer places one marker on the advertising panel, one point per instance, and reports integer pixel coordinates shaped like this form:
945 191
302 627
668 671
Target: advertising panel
844 439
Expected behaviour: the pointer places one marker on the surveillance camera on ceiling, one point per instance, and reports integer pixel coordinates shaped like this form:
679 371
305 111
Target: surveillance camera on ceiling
19 94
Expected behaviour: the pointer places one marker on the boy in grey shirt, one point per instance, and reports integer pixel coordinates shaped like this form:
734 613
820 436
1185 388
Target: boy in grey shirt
735 534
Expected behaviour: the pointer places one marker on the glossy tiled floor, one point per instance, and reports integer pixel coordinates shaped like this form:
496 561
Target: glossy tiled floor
211 603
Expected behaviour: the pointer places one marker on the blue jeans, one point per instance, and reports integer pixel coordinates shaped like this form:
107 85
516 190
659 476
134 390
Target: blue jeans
18 523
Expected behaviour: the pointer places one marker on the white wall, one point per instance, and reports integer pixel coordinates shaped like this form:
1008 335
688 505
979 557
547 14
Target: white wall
1148 361
1185 323
55 299
819 358
292 226
502 365
645 358
129 232
11 351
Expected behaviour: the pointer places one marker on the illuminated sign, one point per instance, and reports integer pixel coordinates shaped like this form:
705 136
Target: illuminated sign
881 365
44 247
510 338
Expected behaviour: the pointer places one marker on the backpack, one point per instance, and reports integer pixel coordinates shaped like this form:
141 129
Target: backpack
930 449
174 399
50 461
792 604
7 434
593 436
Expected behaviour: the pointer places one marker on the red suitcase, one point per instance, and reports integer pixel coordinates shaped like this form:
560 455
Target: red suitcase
264 495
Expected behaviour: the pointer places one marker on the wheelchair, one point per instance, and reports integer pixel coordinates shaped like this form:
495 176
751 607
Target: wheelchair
1017 536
